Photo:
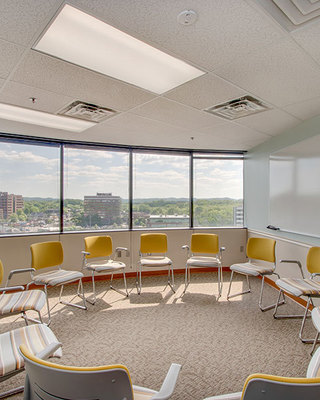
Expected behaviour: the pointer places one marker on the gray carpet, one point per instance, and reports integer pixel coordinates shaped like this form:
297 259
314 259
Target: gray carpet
218 343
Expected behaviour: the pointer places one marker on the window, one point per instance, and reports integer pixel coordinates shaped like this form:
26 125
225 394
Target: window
96 189
218 191
30 188
160 190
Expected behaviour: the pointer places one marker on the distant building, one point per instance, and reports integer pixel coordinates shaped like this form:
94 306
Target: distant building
10 203
104 205
167 221
238 216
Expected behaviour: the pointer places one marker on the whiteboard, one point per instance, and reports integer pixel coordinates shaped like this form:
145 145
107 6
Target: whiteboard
295 188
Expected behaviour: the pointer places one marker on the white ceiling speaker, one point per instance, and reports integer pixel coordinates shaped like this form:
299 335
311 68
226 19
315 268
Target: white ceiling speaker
187 17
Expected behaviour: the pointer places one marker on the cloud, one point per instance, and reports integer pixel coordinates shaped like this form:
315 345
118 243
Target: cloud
28 157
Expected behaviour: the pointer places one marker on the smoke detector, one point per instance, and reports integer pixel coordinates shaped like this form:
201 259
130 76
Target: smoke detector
187 17
238 108
87 111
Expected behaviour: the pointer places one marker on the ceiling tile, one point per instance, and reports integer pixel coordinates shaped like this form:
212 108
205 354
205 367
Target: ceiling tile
21 20
2 81
174 113
10 55
305 109
51 74
233 137
222 31
204 92
279 74
309 39
19 95
272 122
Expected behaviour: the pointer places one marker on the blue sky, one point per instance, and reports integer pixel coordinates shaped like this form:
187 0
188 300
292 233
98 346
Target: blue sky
33 172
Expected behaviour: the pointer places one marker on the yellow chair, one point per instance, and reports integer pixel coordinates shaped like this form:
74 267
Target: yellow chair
50 254
20 301
153 254
99 248
37 338
204 252
301 287
49 381
262 262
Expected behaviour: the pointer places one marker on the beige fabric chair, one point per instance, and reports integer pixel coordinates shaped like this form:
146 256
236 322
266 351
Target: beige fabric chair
270 387
204 252
98 258
20 301
262 262
50 254
153 254
38 339
301 287
48 381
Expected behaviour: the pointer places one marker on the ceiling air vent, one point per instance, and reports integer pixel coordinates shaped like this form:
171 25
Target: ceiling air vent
238 108
87 111
292 14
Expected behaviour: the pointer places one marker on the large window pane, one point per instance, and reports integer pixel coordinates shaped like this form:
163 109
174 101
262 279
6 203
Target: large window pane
218 192
96 186
29 188
160 190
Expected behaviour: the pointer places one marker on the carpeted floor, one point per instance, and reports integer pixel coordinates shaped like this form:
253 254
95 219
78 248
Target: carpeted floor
218 343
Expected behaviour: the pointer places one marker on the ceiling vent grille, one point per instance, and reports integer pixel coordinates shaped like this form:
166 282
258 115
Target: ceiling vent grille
238 108
292 14
87 111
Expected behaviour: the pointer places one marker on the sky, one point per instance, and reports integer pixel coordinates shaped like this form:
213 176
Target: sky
33 171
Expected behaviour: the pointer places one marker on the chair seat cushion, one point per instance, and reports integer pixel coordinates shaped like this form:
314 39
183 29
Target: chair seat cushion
201 261
106 265
155 261
57 277
299 287
252 269
22 301
36 337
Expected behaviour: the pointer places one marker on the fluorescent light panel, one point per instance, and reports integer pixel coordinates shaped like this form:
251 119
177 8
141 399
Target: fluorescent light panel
20 114
81 39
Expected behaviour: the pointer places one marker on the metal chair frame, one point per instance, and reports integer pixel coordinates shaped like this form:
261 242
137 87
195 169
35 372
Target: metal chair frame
79 293
85 265
305 315
8 288
187 276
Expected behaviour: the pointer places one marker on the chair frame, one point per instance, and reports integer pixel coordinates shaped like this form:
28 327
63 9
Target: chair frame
85 265
8 288
80 291
187 276
260 303
170 281
305 315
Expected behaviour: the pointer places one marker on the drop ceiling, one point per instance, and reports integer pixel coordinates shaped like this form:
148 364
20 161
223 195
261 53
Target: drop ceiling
241 48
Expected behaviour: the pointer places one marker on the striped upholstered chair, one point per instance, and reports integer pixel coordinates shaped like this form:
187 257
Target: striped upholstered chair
16 300
49 381
270 387
302 287
38 339
50 254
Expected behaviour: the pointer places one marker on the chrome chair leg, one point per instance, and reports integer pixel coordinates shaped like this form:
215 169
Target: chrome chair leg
171 281
186 280
220 281
138 279
266 308
240 293
125 283
83 307
94 298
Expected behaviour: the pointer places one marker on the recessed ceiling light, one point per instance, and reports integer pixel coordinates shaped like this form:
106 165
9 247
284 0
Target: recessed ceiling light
81 39
20 114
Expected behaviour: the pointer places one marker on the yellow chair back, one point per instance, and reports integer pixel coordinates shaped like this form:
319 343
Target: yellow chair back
205 243
46 254
313 260
153 243
98 246
1 271
262 249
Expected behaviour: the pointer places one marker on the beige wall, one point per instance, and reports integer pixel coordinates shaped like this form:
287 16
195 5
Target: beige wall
15 251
